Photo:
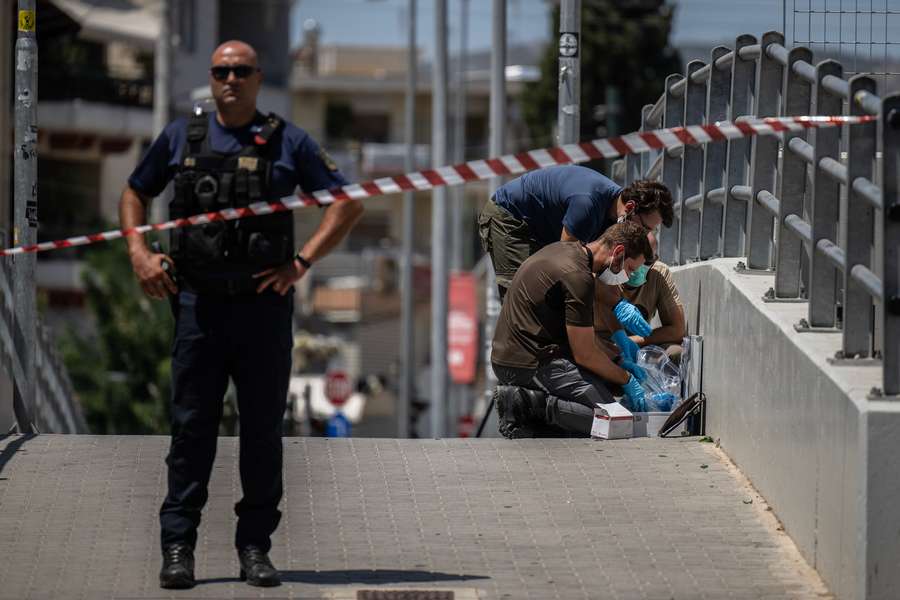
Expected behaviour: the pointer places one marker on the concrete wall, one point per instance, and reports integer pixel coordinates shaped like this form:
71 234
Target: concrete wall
802 430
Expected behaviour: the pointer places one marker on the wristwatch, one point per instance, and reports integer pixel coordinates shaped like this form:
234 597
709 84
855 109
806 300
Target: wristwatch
299 258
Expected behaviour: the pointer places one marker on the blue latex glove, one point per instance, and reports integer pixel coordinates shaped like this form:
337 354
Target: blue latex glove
635 370
635 394
626 345
662 401
632 319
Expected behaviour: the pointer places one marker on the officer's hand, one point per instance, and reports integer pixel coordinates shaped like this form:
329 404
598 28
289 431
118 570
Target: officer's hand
152 275
280 278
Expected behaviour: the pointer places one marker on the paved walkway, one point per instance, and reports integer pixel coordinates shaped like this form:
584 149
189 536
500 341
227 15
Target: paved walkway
494 519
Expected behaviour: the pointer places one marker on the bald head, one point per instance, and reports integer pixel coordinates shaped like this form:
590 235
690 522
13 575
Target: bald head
237 52
235 79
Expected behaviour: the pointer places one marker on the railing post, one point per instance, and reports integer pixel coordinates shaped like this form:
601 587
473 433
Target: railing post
890 276
673 115
797 101
764 163
633 163
646 158
718 93
825 193
743 84
691 168
859 227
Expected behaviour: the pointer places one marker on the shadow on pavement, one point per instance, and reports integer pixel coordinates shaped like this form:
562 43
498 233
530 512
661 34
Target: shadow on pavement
12 447
371 576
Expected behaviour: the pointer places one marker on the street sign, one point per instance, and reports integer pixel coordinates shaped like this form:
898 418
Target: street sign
337 387
462 328
568 45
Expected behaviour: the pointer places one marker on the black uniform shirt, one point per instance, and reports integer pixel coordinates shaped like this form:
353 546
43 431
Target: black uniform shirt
301 162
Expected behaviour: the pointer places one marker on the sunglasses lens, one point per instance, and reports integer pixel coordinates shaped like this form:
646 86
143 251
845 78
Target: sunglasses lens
240 71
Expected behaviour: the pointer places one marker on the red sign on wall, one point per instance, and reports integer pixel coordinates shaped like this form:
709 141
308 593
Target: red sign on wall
462 328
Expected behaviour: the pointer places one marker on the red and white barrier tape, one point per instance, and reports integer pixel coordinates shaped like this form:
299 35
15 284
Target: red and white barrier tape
510 164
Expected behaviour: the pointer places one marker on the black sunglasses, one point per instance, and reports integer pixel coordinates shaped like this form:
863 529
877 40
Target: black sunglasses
220 73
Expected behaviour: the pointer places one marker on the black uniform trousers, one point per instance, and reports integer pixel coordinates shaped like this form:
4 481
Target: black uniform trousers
572 391
247 338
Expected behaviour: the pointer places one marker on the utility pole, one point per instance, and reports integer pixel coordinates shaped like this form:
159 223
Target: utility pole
569 71
439 224
459 136
6 83
26 215
497 148
407 297
458 202
162 63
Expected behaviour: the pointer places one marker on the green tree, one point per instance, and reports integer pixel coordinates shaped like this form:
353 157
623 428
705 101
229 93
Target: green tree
624 44
122 373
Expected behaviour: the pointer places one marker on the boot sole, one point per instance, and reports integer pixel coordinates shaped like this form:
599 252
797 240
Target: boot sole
179 583
258 582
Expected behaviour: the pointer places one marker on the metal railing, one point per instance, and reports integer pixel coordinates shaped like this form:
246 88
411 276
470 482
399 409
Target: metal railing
819 209
56 410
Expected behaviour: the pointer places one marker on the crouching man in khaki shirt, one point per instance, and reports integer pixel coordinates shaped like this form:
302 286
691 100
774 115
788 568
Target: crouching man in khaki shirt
652 290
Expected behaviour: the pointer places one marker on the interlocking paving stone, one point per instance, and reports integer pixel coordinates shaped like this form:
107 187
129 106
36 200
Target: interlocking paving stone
491 518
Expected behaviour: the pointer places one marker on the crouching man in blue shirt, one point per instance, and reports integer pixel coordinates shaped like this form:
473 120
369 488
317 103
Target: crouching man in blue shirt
232 299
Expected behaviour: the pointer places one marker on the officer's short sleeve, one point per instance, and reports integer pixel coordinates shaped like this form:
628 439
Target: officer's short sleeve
315 168
579 218
579 298
153 172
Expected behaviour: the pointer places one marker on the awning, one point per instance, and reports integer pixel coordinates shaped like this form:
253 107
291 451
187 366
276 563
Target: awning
135 22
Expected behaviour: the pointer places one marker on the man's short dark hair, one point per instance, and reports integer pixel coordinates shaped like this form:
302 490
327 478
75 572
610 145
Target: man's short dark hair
632 236
649 196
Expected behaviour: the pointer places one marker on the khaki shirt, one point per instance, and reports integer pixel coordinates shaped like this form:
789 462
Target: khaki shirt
659 294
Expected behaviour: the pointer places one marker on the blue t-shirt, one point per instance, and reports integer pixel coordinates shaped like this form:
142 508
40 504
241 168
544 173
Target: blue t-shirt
301 162
569 195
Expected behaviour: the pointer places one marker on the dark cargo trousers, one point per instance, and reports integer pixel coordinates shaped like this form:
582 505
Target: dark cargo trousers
247 338
572 392
507 240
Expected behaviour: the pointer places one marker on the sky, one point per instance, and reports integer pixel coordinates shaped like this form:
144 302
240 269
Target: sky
383 22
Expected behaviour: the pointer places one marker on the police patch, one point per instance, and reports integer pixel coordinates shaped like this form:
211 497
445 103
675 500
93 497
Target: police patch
250 163
329 162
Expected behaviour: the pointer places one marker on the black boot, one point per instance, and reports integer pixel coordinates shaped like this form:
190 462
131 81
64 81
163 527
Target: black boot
512 413
177 571
256 568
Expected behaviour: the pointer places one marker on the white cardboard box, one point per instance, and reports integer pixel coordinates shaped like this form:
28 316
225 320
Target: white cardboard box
648 424
612 421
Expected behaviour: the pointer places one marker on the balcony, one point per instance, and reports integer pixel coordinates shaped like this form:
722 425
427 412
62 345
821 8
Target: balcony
60 85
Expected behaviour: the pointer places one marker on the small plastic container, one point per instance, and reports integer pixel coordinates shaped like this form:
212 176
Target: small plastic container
662 375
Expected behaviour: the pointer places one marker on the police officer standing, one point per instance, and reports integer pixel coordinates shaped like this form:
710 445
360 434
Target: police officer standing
232 298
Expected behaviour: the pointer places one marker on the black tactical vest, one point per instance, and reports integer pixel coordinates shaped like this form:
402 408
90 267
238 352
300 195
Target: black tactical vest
221 256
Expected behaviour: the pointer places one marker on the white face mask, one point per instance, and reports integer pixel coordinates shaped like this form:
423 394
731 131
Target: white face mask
609 278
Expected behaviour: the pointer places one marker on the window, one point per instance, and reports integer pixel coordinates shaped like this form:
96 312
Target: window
186 26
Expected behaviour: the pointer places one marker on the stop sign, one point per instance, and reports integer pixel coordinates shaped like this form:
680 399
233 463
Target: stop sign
337 387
